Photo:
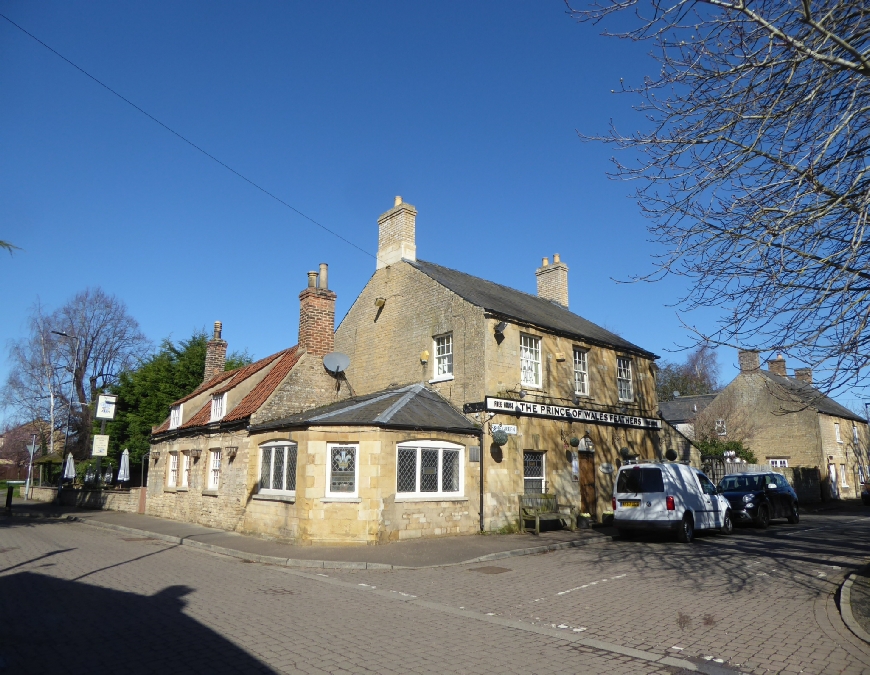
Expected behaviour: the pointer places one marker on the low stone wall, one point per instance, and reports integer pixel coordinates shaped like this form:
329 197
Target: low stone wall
106 500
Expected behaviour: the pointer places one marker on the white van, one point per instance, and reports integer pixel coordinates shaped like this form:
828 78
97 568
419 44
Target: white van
668 496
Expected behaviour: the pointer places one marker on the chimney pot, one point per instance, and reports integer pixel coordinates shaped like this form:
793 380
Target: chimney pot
749 361
323 276
218 326
312 280
317 316
553 281
397 234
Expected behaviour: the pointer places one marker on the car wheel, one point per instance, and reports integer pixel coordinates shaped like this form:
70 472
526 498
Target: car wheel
686 533
727 524
795 517
762 521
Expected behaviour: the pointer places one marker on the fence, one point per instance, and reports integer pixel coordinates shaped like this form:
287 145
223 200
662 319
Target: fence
806 481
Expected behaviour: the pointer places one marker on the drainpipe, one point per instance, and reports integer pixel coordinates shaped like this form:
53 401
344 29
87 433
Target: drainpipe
481 435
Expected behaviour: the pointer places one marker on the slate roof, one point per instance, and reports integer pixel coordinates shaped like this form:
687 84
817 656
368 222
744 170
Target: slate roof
809 395
684 408
513 304
414 407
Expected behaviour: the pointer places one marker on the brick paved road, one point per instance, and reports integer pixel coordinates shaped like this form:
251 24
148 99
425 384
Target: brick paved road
91 601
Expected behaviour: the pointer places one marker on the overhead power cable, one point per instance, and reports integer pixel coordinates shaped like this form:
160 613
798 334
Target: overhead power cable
187 140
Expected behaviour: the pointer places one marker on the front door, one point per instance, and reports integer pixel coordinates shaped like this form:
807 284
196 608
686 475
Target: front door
588 497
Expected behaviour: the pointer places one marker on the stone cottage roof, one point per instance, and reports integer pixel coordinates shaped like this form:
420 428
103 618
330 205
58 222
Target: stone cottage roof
286 359
812 397
684 408
510 303
410 407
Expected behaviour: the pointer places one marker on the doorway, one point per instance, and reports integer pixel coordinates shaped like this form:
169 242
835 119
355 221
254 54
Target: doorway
588 497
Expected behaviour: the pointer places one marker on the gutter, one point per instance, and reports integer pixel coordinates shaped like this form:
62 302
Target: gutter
481 434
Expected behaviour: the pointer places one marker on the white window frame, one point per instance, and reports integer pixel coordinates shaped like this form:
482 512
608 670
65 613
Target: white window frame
721 427
581 368
621 372
439 495
439 373
843 482
172 473
176 415
275 491
214 468
530 361
855 435
837 432
185 469
543 475
778 463
342 495
218 407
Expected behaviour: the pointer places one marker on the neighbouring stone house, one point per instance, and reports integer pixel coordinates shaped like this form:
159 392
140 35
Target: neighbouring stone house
512 361
682 411
788 424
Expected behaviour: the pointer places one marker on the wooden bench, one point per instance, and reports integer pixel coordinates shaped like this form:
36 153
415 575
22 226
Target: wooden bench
543 506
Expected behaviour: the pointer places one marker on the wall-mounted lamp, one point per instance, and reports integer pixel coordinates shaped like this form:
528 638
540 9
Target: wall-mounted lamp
499 327
587 443
522 393
380 302
424 357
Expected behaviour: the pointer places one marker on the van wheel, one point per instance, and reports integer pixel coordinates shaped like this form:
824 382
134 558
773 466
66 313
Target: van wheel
686 533
763 519
795 517
727 524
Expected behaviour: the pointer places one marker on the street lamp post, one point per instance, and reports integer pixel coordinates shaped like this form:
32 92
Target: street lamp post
69 407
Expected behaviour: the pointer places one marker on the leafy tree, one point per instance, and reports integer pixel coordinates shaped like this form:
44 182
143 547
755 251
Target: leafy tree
718 448
699 374
145 394
753 166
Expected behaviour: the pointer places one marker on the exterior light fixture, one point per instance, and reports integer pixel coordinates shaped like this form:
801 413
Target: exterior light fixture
588 445
424 357
522 393
380 302
499 327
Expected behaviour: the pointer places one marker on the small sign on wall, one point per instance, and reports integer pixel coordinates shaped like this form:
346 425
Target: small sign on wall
101 445
607 467
507 428
106 407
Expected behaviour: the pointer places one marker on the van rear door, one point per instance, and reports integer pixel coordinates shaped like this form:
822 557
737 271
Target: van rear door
640 494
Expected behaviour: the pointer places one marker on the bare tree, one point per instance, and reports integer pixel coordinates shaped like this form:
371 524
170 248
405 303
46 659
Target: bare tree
100 340
699 374
753 169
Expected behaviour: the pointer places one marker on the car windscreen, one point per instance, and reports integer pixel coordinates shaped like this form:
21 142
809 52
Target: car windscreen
637 479
742 483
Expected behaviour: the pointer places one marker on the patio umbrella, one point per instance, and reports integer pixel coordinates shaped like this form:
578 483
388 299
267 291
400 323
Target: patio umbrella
69 468
124 471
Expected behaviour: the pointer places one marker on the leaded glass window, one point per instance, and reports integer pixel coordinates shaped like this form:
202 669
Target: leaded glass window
278 468
342 470
428 469
533 473
623 378
530 361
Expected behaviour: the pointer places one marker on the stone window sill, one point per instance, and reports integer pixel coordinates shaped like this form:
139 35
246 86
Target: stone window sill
340 500
181 489
442 378
289 499
170 489
441 498
209 493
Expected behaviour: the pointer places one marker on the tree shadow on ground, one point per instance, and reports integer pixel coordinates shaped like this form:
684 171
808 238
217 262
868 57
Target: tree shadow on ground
56 625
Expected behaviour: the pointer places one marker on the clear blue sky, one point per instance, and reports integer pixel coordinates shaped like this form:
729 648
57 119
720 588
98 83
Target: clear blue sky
467 110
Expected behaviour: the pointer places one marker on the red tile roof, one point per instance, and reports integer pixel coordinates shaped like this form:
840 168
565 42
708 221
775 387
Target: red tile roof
163 427
202 417
258 395
216 380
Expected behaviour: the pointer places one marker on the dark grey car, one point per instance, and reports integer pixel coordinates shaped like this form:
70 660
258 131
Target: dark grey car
759 498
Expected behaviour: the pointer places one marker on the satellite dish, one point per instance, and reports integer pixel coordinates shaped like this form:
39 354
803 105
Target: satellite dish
336 362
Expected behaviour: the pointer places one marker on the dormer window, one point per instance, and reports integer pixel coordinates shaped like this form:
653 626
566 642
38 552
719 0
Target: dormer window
175 413
218 407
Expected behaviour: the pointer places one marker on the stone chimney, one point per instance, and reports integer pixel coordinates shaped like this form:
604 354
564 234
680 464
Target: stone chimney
804 374
397 234
777 366
749 361
317 315
553 281
215 354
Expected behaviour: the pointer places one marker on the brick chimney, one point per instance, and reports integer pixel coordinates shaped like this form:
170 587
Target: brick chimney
777 366
804 374
749 361
317 315
397 234
215 354
553 281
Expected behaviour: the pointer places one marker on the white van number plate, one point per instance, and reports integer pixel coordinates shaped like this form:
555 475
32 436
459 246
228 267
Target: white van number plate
630 503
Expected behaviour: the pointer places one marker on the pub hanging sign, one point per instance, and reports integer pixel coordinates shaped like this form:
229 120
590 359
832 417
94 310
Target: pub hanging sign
511 407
